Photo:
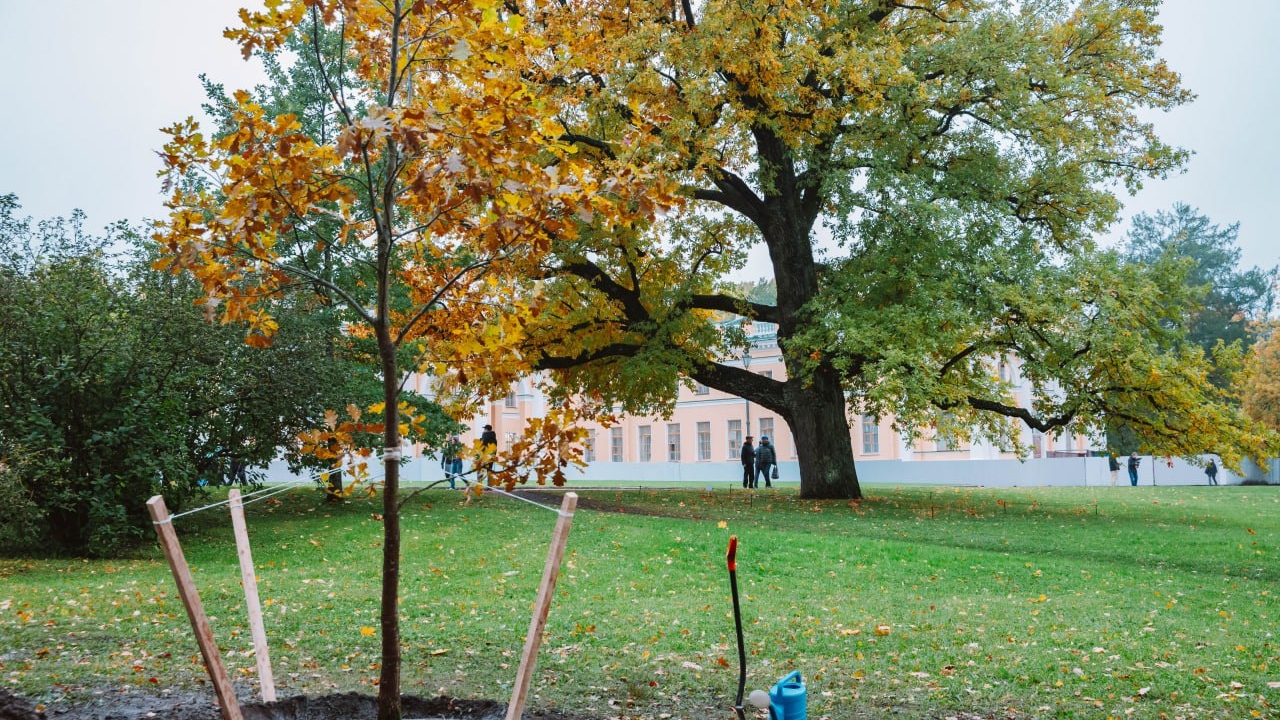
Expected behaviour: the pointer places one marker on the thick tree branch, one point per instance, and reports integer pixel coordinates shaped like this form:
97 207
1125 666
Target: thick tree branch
737 306
1023 414
757 388
614 350
591 142
632 307
734 193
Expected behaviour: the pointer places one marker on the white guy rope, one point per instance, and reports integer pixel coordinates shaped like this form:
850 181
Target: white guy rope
500 491
274 489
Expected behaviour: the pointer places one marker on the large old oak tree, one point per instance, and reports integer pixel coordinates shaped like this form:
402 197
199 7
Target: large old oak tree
926 178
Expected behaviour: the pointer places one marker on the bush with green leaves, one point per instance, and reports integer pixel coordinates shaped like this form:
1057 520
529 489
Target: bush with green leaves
115 388
20 524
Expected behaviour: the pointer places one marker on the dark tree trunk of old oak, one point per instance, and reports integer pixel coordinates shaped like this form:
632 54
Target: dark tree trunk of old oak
820 429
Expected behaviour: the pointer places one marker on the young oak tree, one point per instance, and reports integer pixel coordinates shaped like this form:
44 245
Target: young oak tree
446 178
927 179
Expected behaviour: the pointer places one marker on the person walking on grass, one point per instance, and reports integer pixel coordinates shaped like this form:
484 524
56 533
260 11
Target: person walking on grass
1133 469
488 446
748 456
489 439
451 460
766 459
1211 470
1113 464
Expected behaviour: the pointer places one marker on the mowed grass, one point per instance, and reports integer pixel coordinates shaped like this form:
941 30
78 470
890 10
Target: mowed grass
917 603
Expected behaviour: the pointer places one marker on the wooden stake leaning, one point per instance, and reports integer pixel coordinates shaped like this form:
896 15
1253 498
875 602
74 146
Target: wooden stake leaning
542 606
250 581
195 610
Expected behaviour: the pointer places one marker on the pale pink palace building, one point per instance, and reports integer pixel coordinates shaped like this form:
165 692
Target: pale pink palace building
707 426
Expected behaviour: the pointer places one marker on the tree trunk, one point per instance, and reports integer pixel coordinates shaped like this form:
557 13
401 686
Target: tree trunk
814 400
333 490
816 413
389 707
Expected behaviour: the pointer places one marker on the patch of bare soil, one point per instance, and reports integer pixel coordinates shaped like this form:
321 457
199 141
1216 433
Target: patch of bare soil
196 706
13 707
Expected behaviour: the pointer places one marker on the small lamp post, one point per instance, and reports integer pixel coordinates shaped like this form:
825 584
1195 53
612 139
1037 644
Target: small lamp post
746 365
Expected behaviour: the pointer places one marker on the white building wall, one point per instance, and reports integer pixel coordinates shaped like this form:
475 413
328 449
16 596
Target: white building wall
1042 472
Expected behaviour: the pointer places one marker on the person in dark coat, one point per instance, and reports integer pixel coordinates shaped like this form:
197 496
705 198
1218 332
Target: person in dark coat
1133 468
766 458
1113 464
748 463
1212 471
489 446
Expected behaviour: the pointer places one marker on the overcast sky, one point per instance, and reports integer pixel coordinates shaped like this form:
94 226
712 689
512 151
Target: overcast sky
87 85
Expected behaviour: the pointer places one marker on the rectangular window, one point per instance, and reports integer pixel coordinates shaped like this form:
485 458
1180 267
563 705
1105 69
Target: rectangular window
870 436
735 438
589 447
615 444
673 442
646 443
700 389
704 441
511 399
766 428
767 373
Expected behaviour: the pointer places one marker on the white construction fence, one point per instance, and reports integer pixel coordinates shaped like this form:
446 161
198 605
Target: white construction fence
1078 471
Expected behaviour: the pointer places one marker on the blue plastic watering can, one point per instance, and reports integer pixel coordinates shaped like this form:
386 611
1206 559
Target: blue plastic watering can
788 699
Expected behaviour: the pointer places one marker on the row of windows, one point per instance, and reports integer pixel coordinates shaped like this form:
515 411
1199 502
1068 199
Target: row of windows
870 440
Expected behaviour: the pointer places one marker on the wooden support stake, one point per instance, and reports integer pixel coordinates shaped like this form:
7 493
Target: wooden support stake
195 610
542 606
250 581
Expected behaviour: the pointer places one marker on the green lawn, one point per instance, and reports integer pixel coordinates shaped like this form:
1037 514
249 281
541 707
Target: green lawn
927 602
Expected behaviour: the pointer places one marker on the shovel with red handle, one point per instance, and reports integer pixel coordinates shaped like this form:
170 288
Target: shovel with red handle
732 558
